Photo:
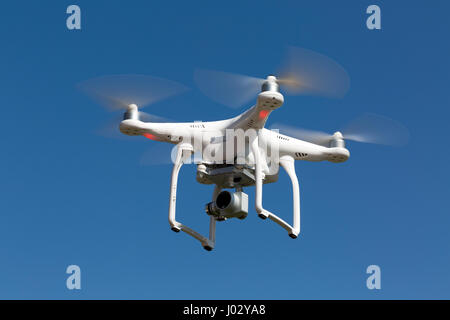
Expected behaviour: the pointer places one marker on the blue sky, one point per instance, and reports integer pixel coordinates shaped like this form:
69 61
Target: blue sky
70 196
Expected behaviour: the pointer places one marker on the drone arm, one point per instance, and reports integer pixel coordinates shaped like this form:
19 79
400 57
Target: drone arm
183 151
288 164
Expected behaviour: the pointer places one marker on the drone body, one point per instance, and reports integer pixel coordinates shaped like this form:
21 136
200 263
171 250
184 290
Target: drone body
240 152
236 153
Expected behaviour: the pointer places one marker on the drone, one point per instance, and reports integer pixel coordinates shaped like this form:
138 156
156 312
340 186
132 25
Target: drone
240 152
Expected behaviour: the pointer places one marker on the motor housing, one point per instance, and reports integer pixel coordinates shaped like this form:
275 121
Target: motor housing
131 113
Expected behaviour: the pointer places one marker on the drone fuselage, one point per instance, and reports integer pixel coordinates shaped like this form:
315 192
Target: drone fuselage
213 139
235 153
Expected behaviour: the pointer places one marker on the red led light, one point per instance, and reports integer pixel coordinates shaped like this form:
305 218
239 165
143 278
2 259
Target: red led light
149 136
263 114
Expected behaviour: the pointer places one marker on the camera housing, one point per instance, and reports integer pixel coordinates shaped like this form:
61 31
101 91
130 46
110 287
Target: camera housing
228 205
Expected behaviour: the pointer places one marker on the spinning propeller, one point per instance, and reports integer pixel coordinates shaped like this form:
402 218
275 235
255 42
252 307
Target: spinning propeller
304 72
119 92
368 128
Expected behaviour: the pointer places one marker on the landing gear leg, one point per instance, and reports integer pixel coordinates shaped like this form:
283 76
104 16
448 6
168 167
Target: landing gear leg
288 164
212 223
184 151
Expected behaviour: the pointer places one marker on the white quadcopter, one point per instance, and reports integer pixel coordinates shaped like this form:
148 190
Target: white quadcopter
240 152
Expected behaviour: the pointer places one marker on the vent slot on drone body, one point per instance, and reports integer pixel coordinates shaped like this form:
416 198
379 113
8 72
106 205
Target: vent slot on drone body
301 154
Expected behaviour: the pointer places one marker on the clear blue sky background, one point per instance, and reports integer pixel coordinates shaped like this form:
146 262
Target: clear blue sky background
69 196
